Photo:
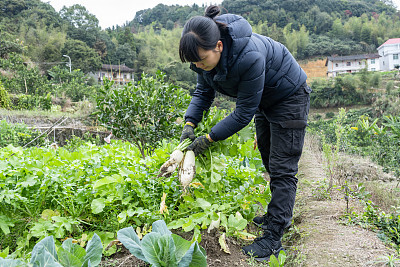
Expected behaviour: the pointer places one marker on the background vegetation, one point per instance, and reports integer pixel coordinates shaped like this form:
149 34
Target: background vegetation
34 34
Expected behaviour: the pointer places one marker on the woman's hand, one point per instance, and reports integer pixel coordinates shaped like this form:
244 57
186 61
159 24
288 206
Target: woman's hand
188 132
199 145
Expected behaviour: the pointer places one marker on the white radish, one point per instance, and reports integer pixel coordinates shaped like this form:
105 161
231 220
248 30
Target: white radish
188 169
174 160
170 165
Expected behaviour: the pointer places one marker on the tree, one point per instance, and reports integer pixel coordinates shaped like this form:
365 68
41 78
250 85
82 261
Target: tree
8 44
81 24
44 45
366 34
337 30
296 41
10 8
82 56
143 114
124 55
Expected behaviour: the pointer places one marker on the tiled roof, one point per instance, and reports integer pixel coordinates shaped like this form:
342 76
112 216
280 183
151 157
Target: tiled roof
116 68
391 41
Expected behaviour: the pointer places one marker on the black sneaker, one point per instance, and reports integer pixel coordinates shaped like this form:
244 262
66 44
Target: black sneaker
262 221
263 247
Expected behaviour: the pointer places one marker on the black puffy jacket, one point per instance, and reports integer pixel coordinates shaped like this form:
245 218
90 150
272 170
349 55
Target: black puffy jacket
256 70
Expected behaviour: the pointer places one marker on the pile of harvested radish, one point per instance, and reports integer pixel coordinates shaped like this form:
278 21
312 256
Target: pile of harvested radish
184 161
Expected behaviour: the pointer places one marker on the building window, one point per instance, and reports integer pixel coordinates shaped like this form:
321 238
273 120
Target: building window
373 69
395 56
383 62
373 61
348 64
125 76
337 65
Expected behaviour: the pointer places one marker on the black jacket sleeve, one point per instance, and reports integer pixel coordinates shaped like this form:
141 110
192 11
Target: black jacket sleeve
201 101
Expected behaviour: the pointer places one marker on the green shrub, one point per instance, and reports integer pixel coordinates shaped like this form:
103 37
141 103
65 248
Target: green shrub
317 117
389 87
329 115
376 80
30 102
4 97
24 79
18 135
341 91
74 85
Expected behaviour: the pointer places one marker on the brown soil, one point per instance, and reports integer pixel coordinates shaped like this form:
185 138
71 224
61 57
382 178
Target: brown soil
318 236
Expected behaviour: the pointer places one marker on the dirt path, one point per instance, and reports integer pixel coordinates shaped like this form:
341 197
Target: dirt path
322 238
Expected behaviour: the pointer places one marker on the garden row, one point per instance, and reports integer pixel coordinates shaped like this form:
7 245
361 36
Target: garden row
91 189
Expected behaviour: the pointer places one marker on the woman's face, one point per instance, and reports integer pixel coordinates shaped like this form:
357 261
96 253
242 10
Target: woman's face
209 58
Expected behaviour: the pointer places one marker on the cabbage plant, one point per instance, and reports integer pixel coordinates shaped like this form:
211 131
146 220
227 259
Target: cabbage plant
44 254
163 248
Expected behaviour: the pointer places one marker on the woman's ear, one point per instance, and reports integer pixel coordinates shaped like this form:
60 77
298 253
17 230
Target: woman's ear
219 46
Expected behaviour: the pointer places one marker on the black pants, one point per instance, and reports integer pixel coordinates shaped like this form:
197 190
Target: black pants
280 133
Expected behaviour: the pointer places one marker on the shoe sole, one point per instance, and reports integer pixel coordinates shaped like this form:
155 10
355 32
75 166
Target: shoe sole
267 258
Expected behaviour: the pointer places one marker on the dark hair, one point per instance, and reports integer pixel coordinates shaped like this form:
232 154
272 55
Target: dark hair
200 31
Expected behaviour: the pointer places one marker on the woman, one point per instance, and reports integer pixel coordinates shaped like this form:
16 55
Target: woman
268 84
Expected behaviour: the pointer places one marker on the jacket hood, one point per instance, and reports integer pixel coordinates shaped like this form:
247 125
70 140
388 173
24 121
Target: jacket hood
240 32
235 39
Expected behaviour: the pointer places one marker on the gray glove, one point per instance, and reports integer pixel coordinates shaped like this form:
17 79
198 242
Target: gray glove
199 145
188 132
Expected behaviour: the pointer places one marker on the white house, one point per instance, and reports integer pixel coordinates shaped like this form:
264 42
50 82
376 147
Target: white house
118 73
350 64
389 52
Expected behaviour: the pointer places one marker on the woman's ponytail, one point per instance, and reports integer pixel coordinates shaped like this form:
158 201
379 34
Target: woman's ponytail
212 11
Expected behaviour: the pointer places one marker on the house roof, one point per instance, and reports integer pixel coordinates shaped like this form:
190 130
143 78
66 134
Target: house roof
121 68
391 41
352 57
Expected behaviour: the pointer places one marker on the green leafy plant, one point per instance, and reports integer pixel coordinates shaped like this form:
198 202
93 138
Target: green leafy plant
30 102
44 253
331 152
278 262
18 134
4 253
162 248
5 224
4 97
106 188
388 260
56 225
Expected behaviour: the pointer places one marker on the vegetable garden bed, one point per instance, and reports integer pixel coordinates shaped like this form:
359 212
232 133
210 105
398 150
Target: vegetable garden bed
76 193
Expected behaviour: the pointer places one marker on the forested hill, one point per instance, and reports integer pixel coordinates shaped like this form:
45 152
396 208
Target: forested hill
298 12
37 33
323 27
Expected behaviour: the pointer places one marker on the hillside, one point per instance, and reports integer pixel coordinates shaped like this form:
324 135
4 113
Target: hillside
329 27
314 68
